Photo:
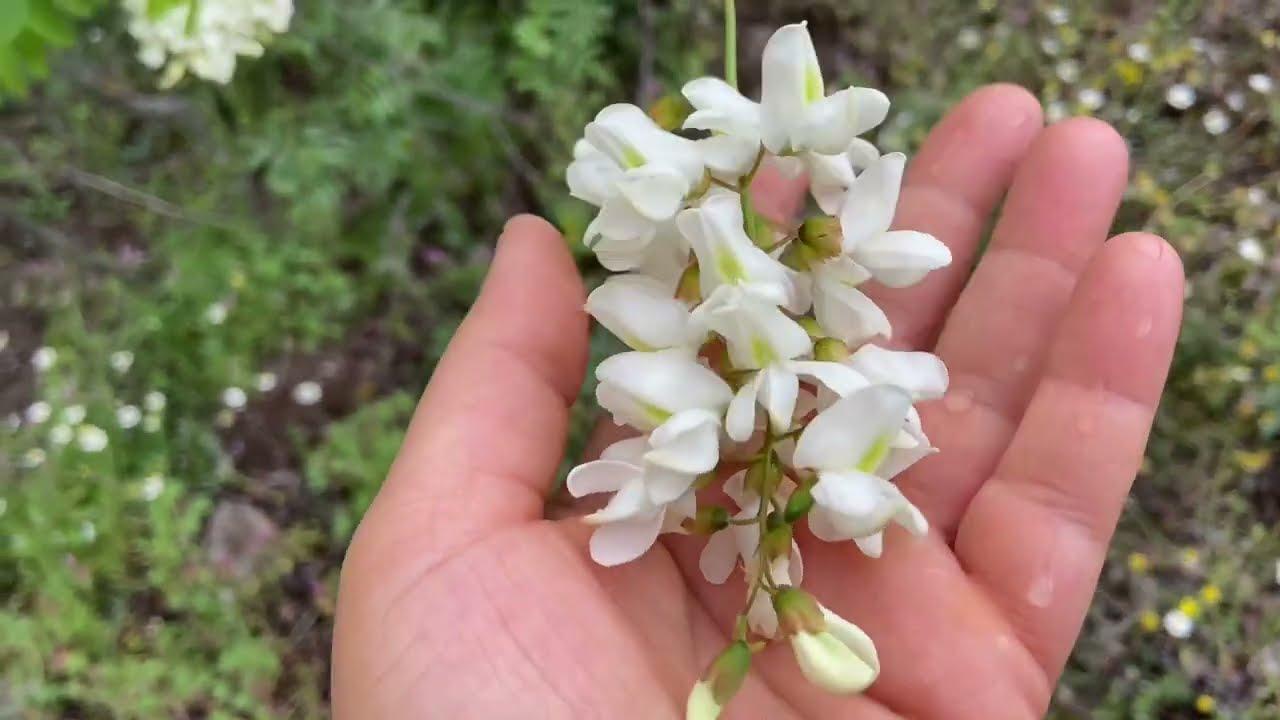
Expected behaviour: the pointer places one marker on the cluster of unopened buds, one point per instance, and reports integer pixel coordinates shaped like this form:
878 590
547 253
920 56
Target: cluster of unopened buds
753 365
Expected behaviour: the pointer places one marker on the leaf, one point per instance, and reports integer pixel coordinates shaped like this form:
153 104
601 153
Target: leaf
78 8
13 80
13 17
49 23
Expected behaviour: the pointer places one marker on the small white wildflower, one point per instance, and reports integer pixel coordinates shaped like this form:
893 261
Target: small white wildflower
1260 83
969 38
37 412
1235 100
208 43
13 421
1068 71
234 398
44 358
91 438
1180 96
88 532
1050 45
1057 15
1091 98
151 423
216 314
1216 122
1139 52
128 416
1198 44
307 393
1256 195
60 434
154 401
1178 624
4 340
121 361
1056 111
1251 249
73 414
152 486
1133 115
266 381
33 458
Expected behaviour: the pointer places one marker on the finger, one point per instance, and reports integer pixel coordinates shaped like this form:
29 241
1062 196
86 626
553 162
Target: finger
487 436
1036 534
952 187
1059 209
777 197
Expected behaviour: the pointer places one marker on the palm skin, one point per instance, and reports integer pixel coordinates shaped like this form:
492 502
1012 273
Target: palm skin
459 599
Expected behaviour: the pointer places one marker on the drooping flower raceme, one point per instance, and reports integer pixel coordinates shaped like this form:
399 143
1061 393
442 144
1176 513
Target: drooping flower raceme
750 374
203 37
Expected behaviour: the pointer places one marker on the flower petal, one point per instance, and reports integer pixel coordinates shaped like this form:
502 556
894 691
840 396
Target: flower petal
923 375
656 192
840 379
629 502
872 545
689 442
873 197
729 157
713 95
641 312
845 313
842 436
719 557
829 179
790 79
622 542
740 420
592 176
645 389
629 450
903 257
852 637
600 476
779 388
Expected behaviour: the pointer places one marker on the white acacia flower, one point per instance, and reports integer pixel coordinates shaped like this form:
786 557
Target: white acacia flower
832 652
647 389
128 416
725 548
307 392
638 175
120 361
43 358
850 445
91 438
631 521
641 312
796 114
37 412
727 257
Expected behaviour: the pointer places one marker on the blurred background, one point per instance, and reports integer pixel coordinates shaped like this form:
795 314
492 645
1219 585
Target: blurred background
219 303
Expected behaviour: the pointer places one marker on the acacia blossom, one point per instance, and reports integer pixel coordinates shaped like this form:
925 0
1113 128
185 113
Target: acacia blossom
758 400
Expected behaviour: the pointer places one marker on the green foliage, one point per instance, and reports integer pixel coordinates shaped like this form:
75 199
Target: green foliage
29 30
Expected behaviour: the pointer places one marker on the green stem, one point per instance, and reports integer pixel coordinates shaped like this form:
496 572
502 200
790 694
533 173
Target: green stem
730 44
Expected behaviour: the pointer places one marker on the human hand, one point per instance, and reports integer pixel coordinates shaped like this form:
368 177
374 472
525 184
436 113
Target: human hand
459 599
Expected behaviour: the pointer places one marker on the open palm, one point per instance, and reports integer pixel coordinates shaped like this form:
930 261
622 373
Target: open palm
460 600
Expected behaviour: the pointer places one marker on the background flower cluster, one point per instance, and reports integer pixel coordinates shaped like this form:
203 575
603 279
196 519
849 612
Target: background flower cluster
217 304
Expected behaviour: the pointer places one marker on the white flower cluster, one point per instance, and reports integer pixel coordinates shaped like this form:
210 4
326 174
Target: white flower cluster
208 42
750 345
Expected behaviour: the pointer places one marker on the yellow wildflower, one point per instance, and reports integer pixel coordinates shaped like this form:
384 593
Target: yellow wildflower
1139 563
1189 607
1253 461
1150 621
1211 594
1205 704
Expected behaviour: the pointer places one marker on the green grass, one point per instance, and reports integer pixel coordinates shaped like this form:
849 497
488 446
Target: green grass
328 217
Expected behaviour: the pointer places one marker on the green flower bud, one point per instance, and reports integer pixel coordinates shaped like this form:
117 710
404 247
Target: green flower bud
761 482
830 350
708 520
725 674
823 236
798 612
800 257
776 542
799 504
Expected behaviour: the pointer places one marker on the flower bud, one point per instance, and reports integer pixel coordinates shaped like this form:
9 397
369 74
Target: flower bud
719 683
823 236
708 520
762 477
840 659
799 504
689 289
830 350
670 111
776 542
798 612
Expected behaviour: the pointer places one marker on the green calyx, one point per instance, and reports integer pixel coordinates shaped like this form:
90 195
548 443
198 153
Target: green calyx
830 349
798 612
823 236
728 670
799 504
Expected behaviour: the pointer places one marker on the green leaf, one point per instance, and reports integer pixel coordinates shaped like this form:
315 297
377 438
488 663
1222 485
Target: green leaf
13 17
49 23
13 80
78 8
